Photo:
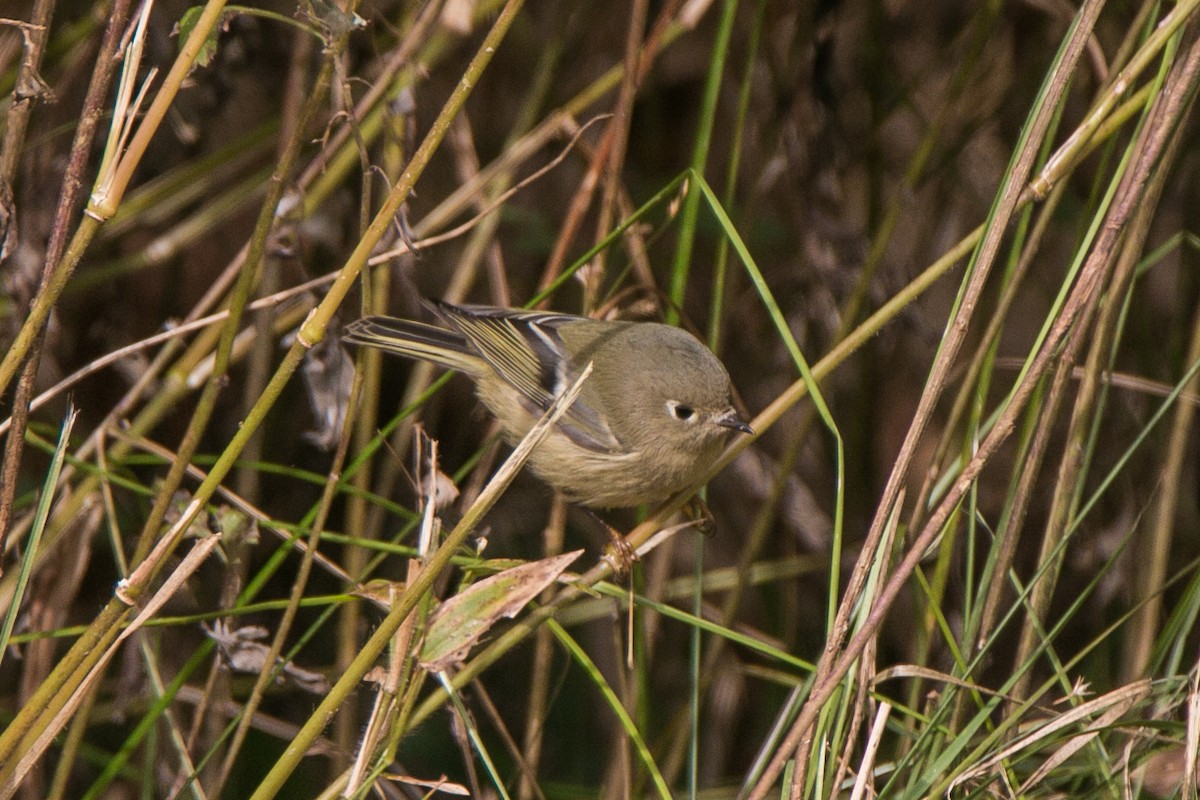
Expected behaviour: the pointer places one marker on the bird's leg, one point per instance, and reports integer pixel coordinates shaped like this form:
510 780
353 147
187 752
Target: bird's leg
700 515
618 553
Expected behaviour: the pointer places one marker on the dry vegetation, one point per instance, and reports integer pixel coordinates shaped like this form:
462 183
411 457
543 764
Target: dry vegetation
959 559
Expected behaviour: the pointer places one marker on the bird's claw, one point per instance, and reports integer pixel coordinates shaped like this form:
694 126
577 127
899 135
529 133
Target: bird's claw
702 518
619 555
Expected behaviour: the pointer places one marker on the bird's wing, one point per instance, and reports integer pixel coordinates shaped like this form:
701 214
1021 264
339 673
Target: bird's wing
525 349
413 339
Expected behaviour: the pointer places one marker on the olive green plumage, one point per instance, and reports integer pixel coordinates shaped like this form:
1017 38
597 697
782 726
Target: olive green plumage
654 414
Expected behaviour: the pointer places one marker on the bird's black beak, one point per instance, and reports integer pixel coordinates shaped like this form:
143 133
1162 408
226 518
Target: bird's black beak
732 420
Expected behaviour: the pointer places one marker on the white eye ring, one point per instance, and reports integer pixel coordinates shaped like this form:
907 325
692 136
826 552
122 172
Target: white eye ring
681 411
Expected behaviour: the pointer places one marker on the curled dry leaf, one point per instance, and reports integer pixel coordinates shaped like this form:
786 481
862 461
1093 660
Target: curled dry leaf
443 784
328 370
244 651
198 528
380 592
376 676
441 488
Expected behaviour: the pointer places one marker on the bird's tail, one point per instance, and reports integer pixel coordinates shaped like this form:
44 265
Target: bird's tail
417 340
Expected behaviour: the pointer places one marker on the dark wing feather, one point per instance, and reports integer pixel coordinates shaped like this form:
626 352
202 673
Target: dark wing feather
525 349
412 339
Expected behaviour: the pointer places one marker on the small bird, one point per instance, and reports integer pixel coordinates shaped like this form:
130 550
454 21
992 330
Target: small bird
654 414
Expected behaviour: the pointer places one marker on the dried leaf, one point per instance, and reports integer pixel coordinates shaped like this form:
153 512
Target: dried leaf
198 528
380 592
441 488
244 652
327 370
463 619
443 784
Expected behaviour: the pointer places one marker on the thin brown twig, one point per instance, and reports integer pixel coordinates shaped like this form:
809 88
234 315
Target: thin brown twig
583 196
615 161
72 183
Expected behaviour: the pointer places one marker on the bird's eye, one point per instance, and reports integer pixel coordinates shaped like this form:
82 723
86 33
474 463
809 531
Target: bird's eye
680 411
